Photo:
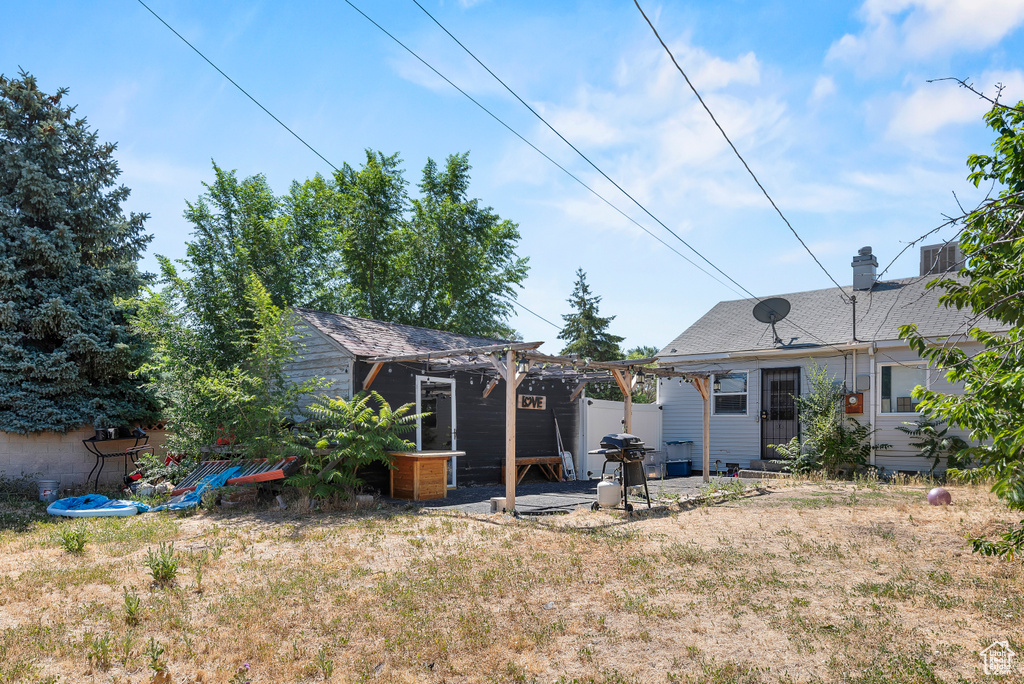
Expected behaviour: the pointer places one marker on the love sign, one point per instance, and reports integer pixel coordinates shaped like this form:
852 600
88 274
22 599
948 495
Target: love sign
528 402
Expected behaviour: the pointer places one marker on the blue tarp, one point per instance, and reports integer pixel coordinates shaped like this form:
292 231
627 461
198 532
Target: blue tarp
191 499
97 505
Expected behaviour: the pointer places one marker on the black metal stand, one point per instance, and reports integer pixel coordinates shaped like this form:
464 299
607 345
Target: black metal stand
625 479
141 444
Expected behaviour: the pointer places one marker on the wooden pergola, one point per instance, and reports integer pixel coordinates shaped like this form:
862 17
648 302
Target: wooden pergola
514 361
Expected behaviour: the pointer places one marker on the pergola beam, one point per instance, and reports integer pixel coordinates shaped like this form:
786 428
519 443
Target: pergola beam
466 351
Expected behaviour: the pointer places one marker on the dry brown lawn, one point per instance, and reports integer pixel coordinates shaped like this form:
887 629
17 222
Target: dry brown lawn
804 582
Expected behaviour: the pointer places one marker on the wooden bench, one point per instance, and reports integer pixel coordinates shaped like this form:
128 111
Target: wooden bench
551 466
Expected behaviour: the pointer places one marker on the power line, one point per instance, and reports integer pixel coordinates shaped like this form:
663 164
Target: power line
553 130
243 90
564 170
738 155
509 128
524 308
577 151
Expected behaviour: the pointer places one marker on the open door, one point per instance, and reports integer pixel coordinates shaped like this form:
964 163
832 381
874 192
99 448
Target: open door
436 432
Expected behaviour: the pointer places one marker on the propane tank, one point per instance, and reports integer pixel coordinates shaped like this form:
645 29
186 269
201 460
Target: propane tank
609 494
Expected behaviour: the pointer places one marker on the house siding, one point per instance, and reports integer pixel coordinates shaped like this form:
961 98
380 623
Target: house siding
480 421
736 439
317 355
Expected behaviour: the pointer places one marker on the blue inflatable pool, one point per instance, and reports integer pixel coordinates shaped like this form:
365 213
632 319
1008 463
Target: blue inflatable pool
95 506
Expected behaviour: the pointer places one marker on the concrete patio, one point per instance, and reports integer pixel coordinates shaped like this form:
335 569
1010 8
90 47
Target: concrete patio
534 498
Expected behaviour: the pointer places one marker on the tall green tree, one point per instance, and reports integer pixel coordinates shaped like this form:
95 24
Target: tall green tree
458 261
372 204
585 331
990 284
68 254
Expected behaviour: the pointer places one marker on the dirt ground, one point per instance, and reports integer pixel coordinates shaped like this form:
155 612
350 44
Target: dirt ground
799 582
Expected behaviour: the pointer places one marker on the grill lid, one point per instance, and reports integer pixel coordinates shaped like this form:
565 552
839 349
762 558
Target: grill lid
621 441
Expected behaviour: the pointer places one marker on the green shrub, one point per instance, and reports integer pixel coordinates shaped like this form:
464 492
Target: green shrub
350 435
831 441
936 444
73 538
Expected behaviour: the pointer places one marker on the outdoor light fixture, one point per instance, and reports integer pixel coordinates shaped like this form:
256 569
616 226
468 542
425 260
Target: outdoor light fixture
717 385
522 365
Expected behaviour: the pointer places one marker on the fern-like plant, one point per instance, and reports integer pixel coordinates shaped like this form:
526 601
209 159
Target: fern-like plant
350 435
936 444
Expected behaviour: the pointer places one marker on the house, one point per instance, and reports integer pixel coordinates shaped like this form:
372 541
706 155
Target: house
757 367
465 414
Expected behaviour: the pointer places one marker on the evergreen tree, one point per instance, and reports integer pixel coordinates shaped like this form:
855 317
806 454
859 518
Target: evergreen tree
585 332
68 255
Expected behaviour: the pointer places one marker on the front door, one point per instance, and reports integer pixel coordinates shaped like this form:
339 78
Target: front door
779 420
436 432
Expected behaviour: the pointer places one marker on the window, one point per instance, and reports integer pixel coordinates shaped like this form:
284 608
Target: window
730 394
898 383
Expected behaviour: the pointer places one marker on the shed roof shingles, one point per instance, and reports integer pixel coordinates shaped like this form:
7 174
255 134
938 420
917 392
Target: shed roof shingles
369 338
822 318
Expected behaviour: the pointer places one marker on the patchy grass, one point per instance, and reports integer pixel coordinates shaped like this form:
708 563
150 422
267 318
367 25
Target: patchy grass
810 582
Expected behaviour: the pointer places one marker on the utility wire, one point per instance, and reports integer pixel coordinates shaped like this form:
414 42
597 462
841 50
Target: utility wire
244 92
565 170
524 308
738 155
577 151
510 129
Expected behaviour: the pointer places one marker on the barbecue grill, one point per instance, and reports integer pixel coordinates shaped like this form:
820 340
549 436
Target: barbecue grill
629 452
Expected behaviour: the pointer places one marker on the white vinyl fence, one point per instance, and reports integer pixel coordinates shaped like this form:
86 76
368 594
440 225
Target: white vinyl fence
599 418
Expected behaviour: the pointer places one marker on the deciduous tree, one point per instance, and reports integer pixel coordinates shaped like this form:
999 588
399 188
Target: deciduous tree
990 284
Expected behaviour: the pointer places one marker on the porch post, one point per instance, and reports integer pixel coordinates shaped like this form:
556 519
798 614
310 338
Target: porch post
703 387
510 430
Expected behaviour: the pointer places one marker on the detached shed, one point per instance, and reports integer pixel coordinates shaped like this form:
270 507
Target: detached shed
467 403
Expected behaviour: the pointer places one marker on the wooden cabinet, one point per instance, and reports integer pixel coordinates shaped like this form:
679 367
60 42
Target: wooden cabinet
421 475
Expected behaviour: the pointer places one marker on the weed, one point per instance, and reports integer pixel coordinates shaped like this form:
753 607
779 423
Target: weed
100 651
73 538
132 607
199 561
241 675
128 642
162 564
324 664
154 650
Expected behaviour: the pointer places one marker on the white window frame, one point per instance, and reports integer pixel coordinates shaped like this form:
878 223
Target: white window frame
927 385
714 409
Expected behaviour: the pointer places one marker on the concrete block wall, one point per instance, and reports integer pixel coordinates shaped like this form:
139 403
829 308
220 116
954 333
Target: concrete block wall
63 457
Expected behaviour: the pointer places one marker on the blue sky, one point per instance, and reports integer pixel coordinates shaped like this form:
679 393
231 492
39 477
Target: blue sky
827 101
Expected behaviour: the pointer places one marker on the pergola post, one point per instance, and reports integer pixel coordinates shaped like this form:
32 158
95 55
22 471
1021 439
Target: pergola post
510 430
624 379
703 386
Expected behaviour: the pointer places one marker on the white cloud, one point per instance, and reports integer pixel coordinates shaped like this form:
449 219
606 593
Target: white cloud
823 87
898 31
933 106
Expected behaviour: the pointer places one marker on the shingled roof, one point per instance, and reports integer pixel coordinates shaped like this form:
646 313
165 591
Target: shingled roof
369 338
820 318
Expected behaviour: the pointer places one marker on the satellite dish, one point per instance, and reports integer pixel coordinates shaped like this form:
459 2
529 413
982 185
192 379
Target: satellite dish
772 311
